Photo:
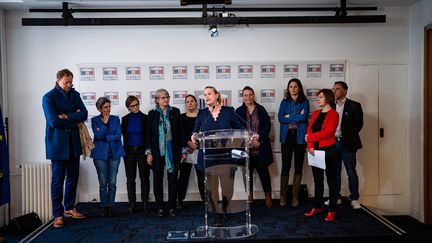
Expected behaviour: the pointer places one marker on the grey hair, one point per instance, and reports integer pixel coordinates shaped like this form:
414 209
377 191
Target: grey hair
101 101
158 94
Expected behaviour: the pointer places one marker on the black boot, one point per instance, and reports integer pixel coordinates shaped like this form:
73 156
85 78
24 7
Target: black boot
111 212
132 207
104 211
218 220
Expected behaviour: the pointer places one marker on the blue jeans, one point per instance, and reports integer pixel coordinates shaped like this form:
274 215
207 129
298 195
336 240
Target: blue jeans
107 176
349 159
62 169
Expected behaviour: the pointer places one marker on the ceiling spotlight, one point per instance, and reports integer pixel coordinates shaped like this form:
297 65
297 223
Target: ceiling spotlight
213 31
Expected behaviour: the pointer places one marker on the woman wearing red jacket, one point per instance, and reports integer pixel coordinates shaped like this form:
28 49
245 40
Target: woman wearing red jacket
321 136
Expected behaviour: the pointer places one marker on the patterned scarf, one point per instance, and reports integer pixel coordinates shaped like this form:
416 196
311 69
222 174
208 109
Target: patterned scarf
253 124
165 138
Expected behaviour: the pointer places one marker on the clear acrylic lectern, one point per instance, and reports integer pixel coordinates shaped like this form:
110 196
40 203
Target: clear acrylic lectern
227 205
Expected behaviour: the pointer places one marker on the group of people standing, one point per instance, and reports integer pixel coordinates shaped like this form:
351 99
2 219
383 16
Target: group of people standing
166 141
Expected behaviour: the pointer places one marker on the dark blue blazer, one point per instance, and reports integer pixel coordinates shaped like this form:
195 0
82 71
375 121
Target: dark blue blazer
106 137
125 123
57 131
227 119
265 150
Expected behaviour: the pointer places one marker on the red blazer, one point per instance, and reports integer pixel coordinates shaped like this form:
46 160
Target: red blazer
326 136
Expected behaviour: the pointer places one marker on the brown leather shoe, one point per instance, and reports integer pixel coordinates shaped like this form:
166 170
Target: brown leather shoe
58 222
268 200
73 213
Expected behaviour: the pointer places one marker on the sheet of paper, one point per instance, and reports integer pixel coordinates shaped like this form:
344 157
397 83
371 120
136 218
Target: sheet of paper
318 160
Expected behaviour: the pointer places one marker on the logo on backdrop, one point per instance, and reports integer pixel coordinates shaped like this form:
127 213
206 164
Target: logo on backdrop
89 98
136 94
337 70
152 97
291 71
240 96
202 72
268 71
223 72
109 74
313 70
225 98
268 95
179 72
88 121
133 73
87 74
113 97
179 96
245 71
156 73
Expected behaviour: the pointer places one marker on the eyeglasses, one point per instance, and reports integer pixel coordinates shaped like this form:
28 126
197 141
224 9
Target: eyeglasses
164 97
135 105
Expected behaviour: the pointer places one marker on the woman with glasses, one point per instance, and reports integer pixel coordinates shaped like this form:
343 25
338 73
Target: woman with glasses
134 131
166 148
107 153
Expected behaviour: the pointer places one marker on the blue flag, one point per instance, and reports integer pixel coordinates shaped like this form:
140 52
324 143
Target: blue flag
4 165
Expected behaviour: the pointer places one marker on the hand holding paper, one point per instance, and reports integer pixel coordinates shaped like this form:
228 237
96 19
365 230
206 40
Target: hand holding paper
317 160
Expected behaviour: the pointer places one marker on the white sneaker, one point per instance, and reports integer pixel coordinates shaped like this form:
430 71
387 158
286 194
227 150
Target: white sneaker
355 204
339 202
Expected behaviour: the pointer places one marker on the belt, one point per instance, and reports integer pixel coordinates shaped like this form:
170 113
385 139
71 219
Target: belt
135 147
339 138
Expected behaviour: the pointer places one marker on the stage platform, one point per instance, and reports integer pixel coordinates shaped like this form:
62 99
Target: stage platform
276 224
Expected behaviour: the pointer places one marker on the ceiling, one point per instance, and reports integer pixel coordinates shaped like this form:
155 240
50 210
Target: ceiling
25 4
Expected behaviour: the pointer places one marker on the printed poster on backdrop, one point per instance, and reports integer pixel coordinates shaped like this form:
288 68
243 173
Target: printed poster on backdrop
179 96
109 74
88 98
337 70
268 95
291 71
240 96
152 97
156 73
314 70
179 72
133 73
268 71
87 74
245 71
225 98
202 72
223 72
113 97
136 94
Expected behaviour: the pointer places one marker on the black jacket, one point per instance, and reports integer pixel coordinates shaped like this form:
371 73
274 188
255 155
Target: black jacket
265 150
352 123
176 132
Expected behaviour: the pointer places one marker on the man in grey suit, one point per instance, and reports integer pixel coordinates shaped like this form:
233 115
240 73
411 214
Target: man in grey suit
348 139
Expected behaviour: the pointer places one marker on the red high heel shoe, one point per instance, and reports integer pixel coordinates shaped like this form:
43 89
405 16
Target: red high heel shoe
313 212
330 216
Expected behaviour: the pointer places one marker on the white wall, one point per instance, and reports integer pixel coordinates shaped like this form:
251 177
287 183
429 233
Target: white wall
34 54
420 16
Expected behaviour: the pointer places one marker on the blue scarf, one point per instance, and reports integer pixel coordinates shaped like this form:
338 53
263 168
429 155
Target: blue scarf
165 138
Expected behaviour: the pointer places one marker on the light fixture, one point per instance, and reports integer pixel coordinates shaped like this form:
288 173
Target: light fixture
213 31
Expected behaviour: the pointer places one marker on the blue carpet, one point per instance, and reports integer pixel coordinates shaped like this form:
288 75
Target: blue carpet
275 224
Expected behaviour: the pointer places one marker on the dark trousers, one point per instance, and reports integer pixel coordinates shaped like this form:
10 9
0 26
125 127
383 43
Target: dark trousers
263 173
288 148
331 160
158 175
62 169
183 181
134 158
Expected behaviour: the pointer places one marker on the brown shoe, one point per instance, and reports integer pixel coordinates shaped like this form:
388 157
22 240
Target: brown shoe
268 200
58 222
73 213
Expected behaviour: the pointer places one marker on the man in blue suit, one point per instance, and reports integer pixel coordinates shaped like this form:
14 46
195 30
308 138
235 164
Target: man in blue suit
63 109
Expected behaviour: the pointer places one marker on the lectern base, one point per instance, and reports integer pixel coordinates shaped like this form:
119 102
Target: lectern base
234 232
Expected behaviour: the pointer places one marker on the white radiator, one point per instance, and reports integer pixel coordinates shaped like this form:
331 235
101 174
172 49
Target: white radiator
36 190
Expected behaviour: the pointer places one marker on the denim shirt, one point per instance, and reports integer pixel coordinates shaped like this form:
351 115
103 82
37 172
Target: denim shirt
293 109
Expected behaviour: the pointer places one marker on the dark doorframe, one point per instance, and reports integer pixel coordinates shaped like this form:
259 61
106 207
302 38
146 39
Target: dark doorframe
428 124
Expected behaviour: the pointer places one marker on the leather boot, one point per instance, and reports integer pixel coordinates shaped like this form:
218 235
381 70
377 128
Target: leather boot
283 190
296 190
268 200
251 198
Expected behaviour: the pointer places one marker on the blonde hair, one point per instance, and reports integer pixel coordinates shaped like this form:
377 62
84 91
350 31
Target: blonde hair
219 98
